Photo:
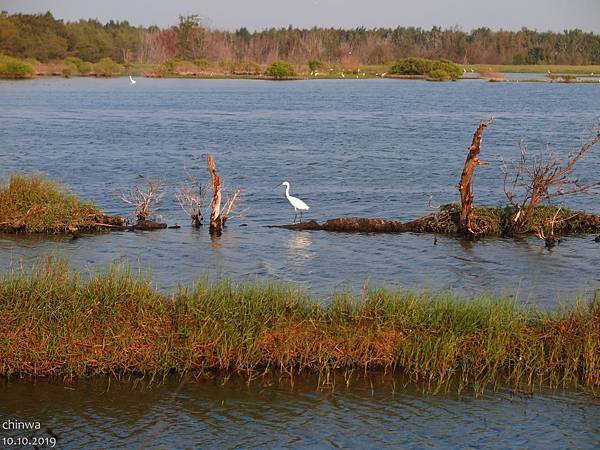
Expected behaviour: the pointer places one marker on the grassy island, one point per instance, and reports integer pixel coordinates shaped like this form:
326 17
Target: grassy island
34 204
56 322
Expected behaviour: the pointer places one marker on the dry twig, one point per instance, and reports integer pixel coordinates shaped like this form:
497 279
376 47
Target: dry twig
144 200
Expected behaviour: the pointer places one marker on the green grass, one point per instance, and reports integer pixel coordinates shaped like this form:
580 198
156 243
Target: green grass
34 204
57 322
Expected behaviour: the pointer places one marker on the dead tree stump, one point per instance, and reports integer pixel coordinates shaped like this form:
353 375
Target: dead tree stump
216 224
465 186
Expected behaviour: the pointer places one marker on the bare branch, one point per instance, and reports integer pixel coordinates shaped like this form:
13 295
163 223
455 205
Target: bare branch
144 200
191 197
543 179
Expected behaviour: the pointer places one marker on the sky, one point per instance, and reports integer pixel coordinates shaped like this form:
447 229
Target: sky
543 15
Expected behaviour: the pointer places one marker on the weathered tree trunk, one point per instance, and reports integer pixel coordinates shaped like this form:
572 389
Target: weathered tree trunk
465 187
216 225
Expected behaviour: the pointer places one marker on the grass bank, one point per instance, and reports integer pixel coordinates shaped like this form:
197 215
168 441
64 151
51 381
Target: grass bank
535 68
56 322
34 204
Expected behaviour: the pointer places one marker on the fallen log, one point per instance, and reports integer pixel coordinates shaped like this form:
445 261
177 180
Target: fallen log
148 225
491 221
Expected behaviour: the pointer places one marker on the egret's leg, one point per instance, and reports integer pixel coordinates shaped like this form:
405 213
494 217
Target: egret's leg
300 215
295 215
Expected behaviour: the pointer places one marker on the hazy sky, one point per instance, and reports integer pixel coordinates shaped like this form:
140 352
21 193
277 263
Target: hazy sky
556 15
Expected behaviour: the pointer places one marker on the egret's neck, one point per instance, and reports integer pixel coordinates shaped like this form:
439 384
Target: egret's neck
287 190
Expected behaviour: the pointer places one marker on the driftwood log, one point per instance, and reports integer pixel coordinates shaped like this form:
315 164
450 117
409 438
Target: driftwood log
465 186
350 225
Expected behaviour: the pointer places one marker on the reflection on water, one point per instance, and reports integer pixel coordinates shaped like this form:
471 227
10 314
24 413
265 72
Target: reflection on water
369 414
369 149
299 244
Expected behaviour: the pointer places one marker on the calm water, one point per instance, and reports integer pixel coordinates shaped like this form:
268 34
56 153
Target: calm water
370 414
348 147
364 147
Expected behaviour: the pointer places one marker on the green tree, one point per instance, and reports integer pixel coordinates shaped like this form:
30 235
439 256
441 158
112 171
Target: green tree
190 37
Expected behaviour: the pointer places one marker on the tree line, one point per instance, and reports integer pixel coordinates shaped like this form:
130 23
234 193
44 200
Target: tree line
45 38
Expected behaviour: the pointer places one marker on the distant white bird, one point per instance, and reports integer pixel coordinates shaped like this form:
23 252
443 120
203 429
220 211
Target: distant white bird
342 74
316 74
464 70
383 74
131 80
298 204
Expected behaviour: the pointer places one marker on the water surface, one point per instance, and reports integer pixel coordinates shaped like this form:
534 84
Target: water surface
371 148
370 414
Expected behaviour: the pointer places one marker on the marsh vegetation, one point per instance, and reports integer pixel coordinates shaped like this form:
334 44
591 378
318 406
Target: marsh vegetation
115 323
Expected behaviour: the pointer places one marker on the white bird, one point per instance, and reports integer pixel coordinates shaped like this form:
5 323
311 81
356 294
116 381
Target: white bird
342 74
383 74
131 80
298 204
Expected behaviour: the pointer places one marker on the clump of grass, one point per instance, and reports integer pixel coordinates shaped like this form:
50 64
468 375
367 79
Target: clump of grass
34 204
117 323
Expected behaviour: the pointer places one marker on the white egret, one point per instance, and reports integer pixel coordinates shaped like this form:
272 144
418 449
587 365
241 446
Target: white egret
298 204
131 80
383 74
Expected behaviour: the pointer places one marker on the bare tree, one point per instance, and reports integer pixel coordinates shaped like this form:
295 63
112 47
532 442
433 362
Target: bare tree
465 186
219 216
191 197
543 179
144 200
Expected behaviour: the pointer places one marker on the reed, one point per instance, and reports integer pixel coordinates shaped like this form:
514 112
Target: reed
58 322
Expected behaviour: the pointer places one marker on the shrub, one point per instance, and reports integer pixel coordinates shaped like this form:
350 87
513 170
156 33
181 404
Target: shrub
280 69
453 70
106 67
171 65
438 75
83 67
412 66
314 65
14 69
422 66
201 62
